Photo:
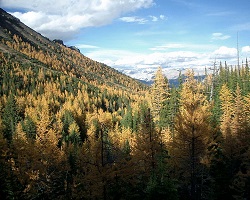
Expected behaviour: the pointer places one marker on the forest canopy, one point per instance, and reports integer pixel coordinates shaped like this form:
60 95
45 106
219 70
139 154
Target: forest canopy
74 128
63 138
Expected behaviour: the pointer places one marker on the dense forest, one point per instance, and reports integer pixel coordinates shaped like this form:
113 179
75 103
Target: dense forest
73 128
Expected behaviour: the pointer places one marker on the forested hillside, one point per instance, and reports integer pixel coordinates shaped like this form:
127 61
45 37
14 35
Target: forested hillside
73 128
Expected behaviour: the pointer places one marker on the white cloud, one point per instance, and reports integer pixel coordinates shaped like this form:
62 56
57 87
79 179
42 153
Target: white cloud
162 17
245 52
220 36
141 20
60 19
142 65
153 18
134 19
246 49
224 53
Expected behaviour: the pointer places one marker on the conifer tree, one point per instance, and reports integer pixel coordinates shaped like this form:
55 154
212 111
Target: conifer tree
235 144
127 120
10 117
191 135
29 127
226 99
240 147
159 93
149 156
98 156
169 109
7 183
147 140
239 124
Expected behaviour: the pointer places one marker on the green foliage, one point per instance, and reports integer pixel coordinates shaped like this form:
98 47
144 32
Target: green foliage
169 109
127 120
29 128
159 94
161 188
10 117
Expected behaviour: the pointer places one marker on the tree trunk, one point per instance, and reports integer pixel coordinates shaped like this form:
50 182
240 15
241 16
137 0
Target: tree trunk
193 175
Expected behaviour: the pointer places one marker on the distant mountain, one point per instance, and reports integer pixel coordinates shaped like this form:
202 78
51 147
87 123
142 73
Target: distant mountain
172 82
28 46
145 76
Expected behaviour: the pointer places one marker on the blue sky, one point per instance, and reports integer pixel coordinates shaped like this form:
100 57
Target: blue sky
137 36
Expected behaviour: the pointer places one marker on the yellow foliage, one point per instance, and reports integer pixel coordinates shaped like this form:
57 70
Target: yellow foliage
20 134
105 118
74 128
226 98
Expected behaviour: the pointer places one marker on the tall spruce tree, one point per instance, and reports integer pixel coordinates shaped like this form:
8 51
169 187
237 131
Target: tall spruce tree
10 117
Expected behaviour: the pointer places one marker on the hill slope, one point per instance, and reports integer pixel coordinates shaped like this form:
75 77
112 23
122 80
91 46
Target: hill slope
28 46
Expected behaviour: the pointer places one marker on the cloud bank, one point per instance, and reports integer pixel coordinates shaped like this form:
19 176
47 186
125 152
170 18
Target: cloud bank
62 19
143 66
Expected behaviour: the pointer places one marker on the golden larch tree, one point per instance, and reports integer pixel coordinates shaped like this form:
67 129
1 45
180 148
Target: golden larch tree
191 134
159 93
226 99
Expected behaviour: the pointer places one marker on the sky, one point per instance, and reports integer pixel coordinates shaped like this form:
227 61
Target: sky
138 36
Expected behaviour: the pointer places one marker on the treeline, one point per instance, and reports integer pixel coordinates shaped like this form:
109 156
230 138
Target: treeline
64 137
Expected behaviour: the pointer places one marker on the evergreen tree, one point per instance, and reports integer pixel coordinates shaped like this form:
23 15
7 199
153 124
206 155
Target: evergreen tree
169 110
10 117
8 183
29 127
127 120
